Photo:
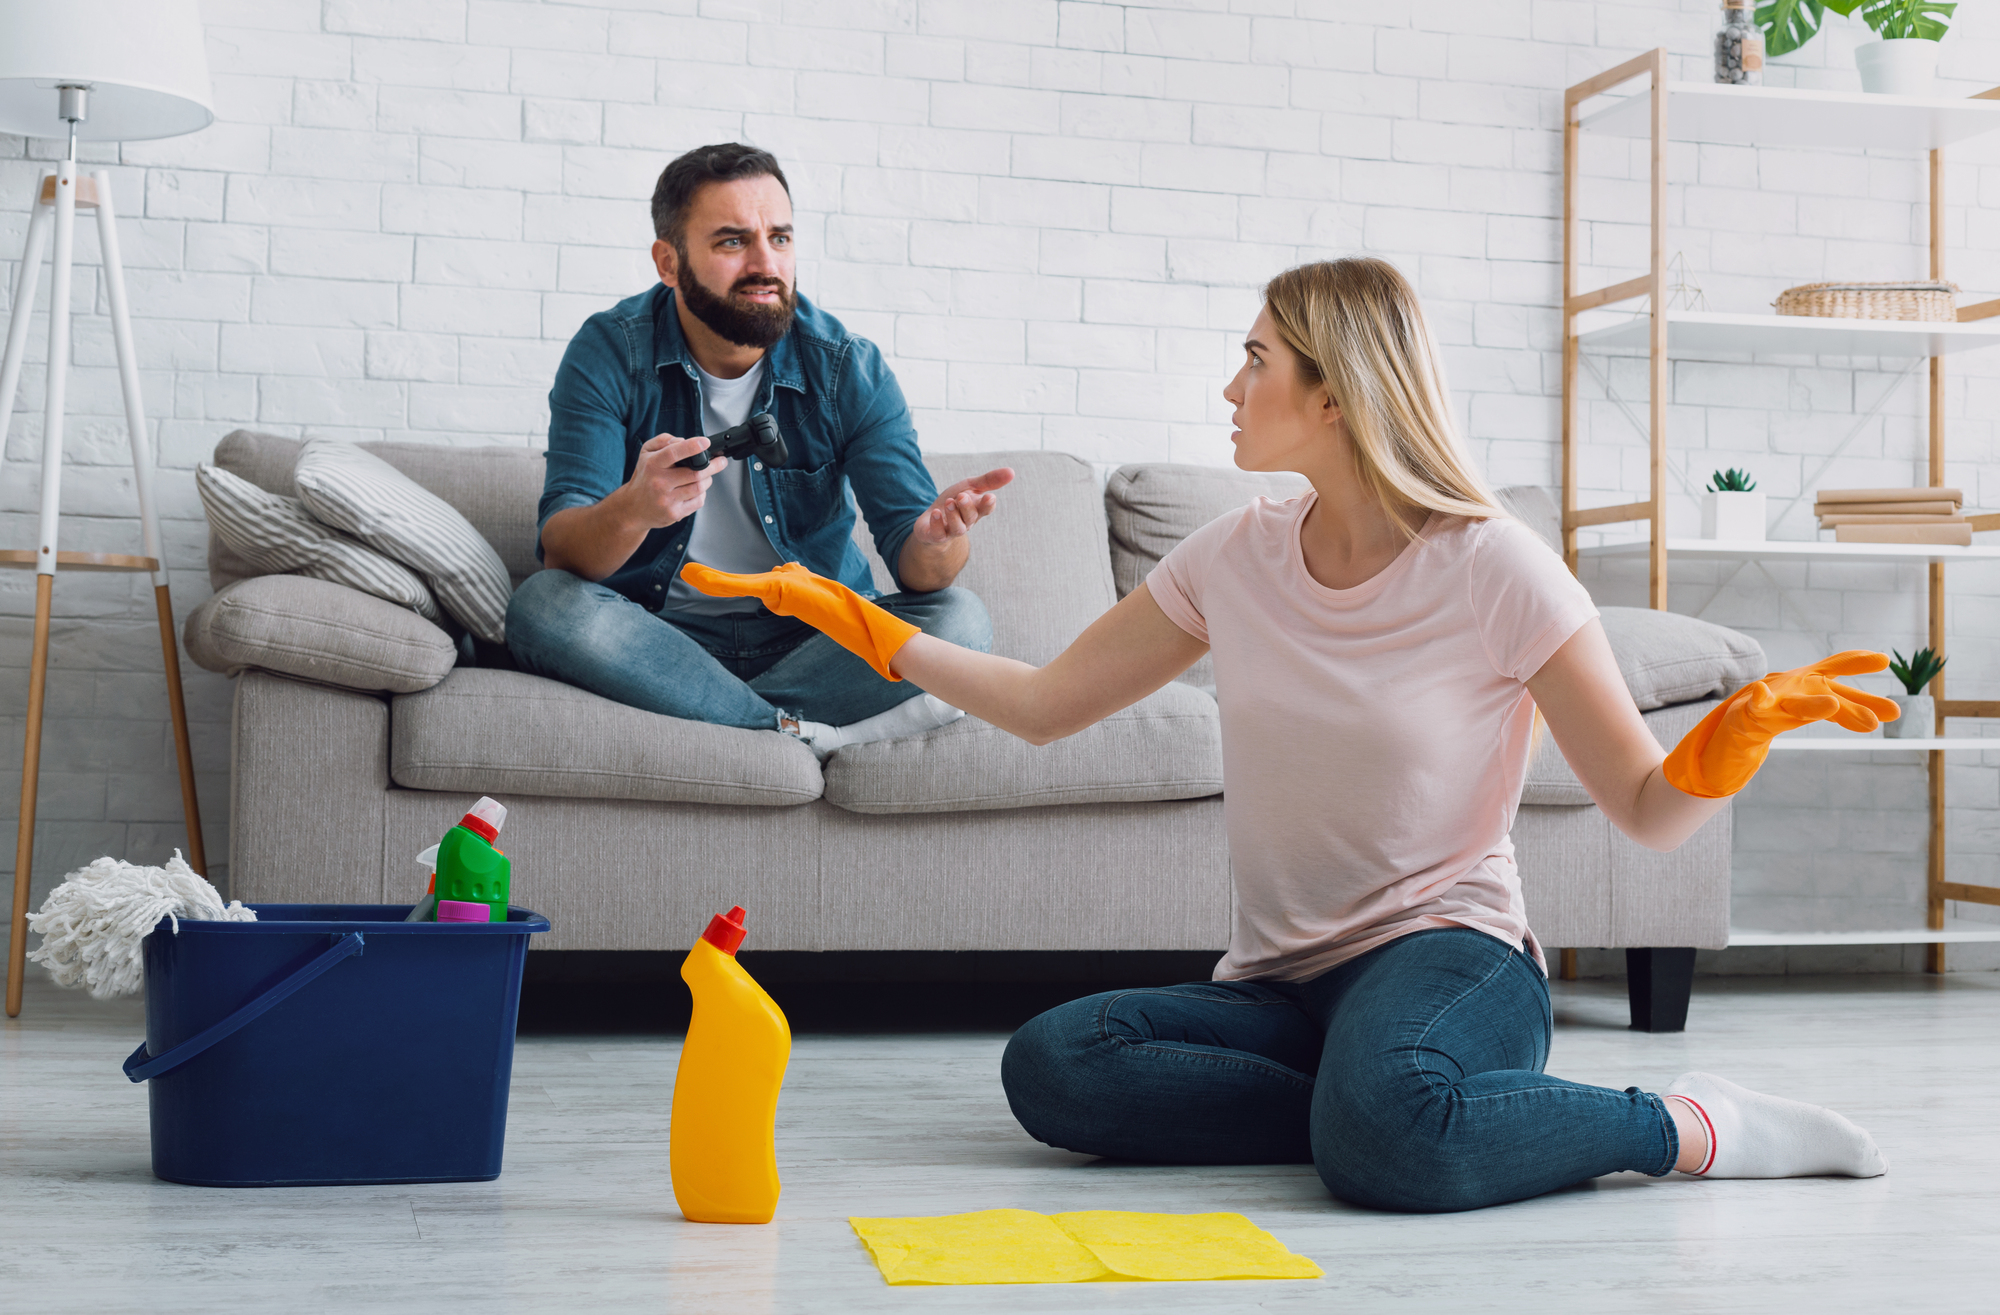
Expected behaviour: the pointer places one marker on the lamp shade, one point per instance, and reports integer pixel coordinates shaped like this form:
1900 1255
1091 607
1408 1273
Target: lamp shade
143 61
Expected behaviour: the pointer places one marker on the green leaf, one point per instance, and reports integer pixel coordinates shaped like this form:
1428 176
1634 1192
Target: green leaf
1917 670
1789 24
1896 20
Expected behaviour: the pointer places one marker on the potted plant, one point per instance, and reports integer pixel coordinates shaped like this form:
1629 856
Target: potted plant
1919 719
1732 508
1902 63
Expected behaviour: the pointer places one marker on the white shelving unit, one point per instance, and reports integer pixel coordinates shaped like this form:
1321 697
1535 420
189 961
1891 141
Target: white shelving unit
1668 111
1882 744
1791 335
1954 932
1789 116
1736 550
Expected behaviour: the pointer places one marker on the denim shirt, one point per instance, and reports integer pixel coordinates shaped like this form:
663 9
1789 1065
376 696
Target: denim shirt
628 375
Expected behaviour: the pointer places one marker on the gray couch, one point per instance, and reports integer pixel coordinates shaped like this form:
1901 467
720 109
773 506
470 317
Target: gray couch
361 731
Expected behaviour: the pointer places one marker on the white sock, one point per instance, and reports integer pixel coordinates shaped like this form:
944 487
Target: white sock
821 738
1751 1135
926 712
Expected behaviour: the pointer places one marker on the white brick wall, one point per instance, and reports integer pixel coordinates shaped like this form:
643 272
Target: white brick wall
1053 214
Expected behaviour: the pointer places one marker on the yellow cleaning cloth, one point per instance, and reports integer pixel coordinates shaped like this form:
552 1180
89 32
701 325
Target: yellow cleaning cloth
1089 1246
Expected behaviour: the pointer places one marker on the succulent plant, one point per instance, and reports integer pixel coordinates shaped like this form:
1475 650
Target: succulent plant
1731 481
1917 670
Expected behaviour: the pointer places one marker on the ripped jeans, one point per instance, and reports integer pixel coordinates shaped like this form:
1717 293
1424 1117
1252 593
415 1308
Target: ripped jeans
729 670
1411 1078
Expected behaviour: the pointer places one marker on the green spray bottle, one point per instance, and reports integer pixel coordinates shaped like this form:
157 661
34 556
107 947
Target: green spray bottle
469 869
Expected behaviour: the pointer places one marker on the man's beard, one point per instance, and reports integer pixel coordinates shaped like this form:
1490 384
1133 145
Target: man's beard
747 324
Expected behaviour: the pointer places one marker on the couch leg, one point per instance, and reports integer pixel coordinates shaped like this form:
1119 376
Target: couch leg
1658 982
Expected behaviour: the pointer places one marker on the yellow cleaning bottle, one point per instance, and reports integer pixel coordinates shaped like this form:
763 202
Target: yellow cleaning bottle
726 1090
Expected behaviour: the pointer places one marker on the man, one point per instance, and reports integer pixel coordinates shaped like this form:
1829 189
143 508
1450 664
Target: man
724 336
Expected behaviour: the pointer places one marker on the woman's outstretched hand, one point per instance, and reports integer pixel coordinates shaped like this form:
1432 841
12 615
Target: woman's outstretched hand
828 606
1720 755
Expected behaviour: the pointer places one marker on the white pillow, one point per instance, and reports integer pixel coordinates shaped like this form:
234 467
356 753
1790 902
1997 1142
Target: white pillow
276 535
359 492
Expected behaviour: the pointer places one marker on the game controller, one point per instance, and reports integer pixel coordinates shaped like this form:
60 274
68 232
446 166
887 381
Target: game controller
758 436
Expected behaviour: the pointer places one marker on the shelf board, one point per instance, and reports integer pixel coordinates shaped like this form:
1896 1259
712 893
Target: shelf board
1956 931
1793 116
1795 743
1796 335
1734 550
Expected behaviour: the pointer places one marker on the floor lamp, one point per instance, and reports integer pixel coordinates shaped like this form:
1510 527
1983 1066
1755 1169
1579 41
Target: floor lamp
91 70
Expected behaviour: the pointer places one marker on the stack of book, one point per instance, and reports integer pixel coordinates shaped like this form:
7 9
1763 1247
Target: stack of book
1894 516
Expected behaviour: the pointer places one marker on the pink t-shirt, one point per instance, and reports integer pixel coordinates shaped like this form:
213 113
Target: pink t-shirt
1374 739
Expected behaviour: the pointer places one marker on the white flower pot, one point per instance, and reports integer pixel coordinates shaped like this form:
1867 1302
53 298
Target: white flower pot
1733 516
1919 719
1906 66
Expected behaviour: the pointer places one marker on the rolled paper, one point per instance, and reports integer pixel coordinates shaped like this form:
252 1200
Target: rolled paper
1913 508
1836 520
1890 495
1949 535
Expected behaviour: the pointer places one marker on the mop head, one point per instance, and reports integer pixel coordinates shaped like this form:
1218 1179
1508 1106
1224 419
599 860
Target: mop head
92 924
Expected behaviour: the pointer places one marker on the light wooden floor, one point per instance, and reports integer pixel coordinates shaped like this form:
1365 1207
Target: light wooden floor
583 1219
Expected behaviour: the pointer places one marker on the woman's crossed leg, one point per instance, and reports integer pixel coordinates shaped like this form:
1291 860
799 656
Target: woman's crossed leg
1410 1077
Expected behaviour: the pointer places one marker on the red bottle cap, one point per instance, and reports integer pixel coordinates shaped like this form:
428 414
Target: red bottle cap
485 818
725 930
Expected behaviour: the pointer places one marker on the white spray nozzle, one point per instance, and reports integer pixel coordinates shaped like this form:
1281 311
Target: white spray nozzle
428 860
490 811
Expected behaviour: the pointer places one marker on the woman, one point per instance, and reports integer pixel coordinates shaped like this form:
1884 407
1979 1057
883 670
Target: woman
1381 647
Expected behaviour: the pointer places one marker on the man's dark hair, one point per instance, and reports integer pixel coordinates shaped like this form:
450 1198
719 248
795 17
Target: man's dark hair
679 181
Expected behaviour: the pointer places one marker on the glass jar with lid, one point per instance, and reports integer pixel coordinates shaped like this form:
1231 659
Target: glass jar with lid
1739 46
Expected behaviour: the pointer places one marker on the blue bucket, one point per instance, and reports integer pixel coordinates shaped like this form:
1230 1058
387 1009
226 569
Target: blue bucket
330 1043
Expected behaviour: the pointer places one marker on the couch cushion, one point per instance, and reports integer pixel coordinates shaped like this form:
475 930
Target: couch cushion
1550 780
1667 658
279 536
496 488
1038 563
1166 746
1153 507
1535 508
506 732
318 631
357 491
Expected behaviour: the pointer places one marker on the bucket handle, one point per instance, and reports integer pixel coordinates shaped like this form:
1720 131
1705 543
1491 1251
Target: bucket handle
139 1068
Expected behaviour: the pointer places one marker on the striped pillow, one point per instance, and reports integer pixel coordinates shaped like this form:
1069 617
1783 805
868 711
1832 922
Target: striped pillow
359 492
277 537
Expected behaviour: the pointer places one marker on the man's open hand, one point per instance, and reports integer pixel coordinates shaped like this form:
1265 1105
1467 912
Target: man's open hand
661 492
960 507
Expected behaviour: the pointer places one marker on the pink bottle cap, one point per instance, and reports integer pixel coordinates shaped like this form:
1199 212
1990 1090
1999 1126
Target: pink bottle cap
458 910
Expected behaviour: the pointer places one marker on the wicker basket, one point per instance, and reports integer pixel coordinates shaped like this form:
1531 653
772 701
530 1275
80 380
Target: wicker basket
1872 301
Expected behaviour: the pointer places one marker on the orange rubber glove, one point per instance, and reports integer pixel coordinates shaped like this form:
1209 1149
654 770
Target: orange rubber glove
828 606
1720 755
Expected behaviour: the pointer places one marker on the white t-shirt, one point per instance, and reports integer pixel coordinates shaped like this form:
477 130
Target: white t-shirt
728 531
1374 739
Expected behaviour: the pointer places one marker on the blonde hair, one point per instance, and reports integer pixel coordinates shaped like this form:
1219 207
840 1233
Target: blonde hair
1356 327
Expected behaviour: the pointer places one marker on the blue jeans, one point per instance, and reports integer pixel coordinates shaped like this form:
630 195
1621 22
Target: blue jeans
1411 1078
730 670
